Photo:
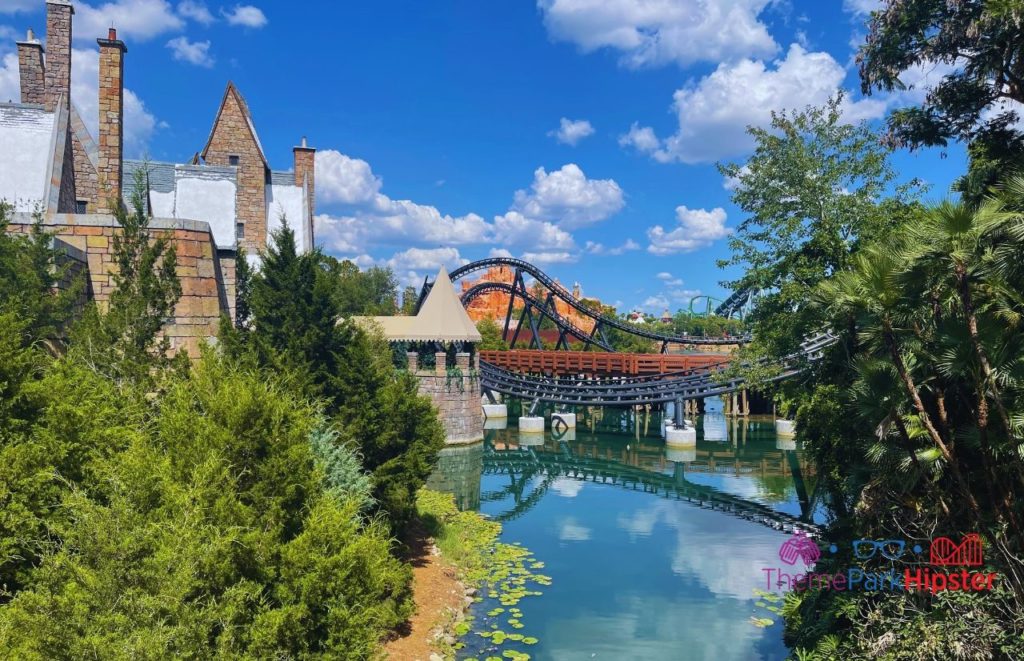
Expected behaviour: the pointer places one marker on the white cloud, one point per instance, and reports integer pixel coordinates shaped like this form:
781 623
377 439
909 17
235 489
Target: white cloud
567 198
10 85
662 31
600 249
567 487
713 114
570 530
139 123
513 228
246 16
413 264
14 6
697 228
197 53
669 279
499 252
138 20
340 178
863 7
654 304
550 257
641 138
196 11
376 217
571 131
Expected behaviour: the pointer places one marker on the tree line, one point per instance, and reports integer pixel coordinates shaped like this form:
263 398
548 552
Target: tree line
247 504
915 416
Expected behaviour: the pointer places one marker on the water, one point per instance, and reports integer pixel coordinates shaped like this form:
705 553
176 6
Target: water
639 571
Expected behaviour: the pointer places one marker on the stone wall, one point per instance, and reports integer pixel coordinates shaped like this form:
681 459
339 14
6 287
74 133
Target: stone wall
203 296
457 400
458 472
31 70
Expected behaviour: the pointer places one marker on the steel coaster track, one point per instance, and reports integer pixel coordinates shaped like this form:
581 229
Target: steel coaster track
634 391
531 462
565 326
602 321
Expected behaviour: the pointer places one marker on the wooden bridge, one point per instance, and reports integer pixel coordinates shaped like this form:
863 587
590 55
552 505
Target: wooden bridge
594 364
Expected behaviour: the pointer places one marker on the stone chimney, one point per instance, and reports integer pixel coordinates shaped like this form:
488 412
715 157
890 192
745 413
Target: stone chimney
305 171
31 70
111 115
58 52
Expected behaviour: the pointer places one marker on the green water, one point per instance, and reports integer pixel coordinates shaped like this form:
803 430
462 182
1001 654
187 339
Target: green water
646 563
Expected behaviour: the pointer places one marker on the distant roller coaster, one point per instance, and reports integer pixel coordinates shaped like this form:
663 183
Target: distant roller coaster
534 310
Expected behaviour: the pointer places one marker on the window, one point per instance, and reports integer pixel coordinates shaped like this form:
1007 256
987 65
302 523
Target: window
239 231
232 160
81 206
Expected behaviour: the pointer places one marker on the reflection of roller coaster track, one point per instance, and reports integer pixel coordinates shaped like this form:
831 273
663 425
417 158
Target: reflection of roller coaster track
522 465
534 310
634 391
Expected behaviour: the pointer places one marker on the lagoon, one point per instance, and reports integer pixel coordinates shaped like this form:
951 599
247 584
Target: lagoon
654 552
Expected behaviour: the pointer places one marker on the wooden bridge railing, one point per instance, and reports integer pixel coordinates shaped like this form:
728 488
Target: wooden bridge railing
599 364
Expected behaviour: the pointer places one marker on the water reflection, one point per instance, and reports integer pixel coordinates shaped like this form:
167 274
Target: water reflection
655 552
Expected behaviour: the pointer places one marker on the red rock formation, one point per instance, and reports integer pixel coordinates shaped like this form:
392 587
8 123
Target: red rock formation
494 305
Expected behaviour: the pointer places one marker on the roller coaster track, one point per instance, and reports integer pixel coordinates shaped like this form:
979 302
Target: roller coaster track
635 391
523 464
546 308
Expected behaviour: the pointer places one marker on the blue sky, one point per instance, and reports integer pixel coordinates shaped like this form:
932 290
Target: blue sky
581 134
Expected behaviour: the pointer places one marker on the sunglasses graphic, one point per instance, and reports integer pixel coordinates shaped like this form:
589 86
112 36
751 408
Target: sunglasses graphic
890 548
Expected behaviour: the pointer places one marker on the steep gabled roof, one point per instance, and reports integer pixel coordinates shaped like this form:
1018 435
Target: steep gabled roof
441 318
237 96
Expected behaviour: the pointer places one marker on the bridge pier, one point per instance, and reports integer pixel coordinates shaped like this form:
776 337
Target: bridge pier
531 423
568 419
495 411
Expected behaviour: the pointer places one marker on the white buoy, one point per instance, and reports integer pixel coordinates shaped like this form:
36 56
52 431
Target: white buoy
567 435
684 436
533 423
785 428
568 418
530 438
681 455
496 423
495 411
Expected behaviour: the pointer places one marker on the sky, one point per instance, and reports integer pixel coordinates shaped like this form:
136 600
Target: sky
581 135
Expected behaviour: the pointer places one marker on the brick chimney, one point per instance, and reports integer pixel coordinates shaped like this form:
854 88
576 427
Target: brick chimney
305 171
58 52
111 116
31 71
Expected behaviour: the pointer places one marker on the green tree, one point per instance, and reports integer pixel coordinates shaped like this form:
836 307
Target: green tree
491 335
373 292
981 42
125 340
409 297
296 332
928 371
29 268
212 529
814 189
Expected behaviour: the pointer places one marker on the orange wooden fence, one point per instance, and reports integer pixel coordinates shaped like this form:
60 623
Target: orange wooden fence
593 363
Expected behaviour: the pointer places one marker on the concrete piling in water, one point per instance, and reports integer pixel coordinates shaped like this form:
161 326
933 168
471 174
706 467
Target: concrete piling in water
531 423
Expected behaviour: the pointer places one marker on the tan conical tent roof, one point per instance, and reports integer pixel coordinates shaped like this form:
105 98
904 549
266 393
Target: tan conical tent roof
441 318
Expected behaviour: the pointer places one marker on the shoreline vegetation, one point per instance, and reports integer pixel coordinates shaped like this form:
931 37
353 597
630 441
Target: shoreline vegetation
494 576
